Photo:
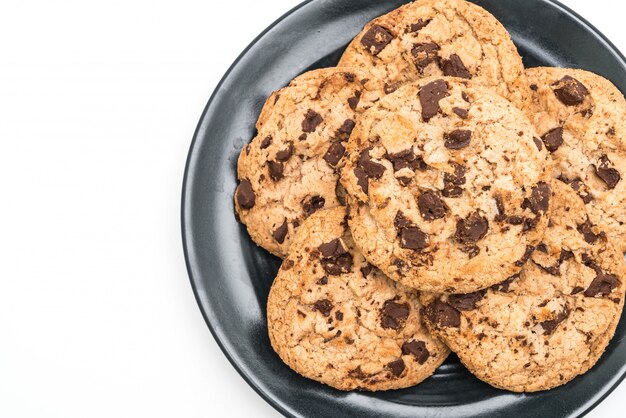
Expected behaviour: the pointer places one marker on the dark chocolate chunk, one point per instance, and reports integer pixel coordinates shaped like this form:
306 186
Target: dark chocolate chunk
417 349
391 87
442 314
354 100
396 367
431 206
460 112
393 315
452 182
504 286
537 142
586 229
275 169
334 153
413 238
372 169
336 258
332 248
471 250
415 27
366 269
344 131
471 229
323 306
311 121
515 220
245 194
406 159
603 284
323 281
457 139
453 66
400 221
284 155
550 326
529 251
465 302
539 199
501 216
266 142
580 188
281 232
570 91
313 204
429 96
608 174
424 54
376 39
361 179
553 139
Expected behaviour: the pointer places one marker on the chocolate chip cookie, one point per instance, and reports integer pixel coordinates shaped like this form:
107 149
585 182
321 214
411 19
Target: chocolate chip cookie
448 186
580 117
334 318
440 37
541 328
289 170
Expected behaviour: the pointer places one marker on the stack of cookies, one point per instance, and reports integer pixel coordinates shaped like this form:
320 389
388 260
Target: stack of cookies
430 195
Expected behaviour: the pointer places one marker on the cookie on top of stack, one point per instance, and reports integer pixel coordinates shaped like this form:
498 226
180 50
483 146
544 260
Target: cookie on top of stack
429 194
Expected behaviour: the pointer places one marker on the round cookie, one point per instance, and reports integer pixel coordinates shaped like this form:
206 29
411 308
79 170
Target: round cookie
288 171
549 324
580 117
440 38
447 186
334 318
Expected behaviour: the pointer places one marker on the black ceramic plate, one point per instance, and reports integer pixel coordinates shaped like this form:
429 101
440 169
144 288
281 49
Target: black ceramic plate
231 276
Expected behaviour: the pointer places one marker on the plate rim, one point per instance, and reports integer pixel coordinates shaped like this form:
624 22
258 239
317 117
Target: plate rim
186 194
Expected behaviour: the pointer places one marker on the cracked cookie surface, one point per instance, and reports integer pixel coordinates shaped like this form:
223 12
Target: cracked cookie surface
448 186
552 322
440 37
288 171
580 117
334 318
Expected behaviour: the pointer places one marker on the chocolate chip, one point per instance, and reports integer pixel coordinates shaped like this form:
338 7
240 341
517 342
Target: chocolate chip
266 142
471 250
534 87
275 169
431 206
465 97
424 54
400 221
396 367
323 281
465 302
550 325
570 91
530 223
332 248
366 269
460 112
323 306
281 232
372 169
565 255
553 139
471 229
586 230
454 67
413 238
515 220
334 153
608 174
302 137
376 39
350 77
415 27
311 121
603 284
500 206
339 315
452 182
404 181
457 139
354 100
391 87
429 96
406 159
284 155
417 349
344 131
537 142
576 290
361 179
539 199
580 188
527 253
287 264
312 205
504 286
245 195
442 314
393 315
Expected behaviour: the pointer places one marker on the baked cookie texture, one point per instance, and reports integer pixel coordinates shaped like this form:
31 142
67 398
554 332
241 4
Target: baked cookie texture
334 318
581 119
440 38
289 169
448 186
552 322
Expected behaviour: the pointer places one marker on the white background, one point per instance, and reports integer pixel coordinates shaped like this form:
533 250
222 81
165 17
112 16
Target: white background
98 104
